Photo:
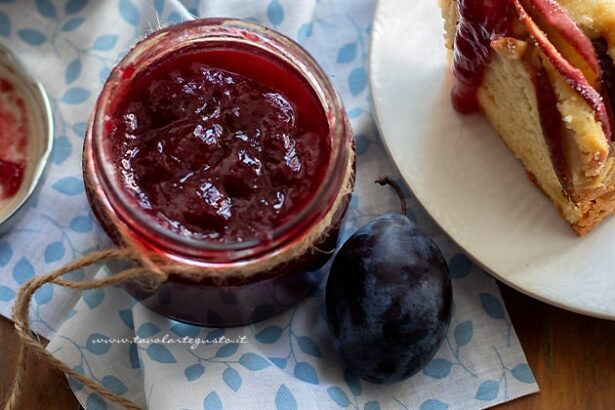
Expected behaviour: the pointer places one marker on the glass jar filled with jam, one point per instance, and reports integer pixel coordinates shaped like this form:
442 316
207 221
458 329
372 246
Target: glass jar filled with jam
221 145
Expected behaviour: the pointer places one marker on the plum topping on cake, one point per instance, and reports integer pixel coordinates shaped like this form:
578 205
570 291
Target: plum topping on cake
575 58
608 72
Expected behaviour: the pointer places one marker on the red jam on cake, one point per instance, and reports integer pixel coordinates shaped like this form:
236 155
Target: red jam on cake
222 144
482 22
543 73
13 140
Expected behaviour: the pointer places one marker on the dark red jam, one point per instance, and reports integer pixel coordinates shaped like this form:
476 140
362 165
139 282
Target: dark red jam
220 144
481 22
11 177
13 140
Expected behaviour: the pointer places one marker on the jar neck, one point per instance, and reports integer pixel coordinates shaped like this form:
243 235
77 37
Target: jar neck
220 33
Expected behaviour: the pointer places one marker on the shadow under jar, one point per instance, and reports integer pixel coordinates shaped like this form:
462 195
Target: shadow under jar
221 145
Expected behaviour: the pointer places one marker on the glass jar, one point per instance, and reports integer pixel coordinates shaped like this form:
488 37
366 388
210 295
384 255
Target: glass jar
241 282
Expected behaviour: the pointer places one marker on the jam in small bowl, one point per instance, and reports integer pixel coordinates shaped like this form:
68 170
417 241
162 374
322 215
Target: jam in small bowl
221 145
26 138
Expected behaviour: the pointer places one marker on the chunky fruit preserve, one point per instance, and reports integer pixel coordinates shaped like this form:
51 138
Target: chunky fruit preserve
13 140
221 145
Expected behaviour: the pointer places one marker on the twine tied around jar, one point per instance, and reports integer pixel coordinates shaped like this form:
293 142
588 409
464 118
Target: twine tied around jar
148 267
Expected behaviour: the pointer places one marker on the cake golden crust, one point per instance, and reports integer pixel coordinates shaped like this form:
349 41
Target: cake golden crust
597 210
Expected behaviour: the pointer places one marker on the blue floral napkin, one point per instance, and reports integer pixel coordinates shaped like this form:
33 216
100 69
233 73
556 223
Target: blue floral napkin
283 363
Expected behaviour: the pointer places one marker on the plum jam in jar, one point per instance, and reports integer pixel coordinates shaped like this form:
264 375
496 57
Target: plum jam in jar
220 145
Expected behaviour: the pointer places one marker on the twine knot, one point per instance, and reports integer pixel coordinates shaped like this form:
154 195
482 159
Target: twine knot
146 268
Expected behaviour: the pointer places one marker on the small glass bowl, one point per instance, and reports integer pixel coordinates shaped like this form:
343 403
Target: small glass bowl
40 138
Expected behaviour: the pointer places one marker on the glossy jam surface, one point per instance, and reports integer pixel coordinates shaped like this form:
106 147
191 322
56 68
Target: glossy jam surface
481 21
13 140
220 144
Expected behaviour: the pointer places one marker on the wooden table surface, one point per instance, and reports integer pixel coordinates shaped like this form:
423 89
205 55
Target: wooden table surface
572 356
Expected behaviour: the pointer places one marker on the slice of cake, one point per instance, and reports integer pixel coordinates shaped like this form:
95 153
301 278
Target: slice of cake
543 73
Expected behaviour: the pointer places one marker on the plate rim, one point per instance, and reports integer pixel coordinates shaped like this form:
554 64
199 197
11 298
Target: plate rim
491 271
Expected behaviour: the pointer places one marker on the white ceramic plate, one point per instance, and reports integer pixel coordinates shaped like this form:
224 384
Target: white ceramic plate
467 179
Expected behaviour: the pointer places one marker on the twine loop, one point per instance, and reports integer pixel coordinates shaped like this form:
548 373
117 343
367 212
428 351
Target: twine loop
147 267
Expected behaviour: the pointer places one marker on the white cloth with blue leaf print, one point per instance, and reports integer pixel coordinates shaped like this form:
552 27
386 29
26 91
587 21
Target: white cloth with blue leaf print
288 362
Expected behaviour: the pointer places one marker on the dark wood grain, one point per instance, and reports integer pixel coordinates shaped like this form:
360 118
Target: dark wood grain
572 356
45 388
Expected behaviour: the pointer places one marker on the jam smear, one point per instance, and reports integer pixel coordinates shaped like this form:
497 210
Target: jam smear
13 140
481 22
220 144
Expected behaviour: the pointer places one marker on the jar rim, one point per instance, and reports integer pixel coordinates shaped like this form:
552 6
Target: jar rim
230 31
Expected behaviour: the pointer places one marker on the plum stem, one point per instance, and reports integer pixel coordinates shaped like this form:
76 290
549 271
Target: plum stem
385 180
